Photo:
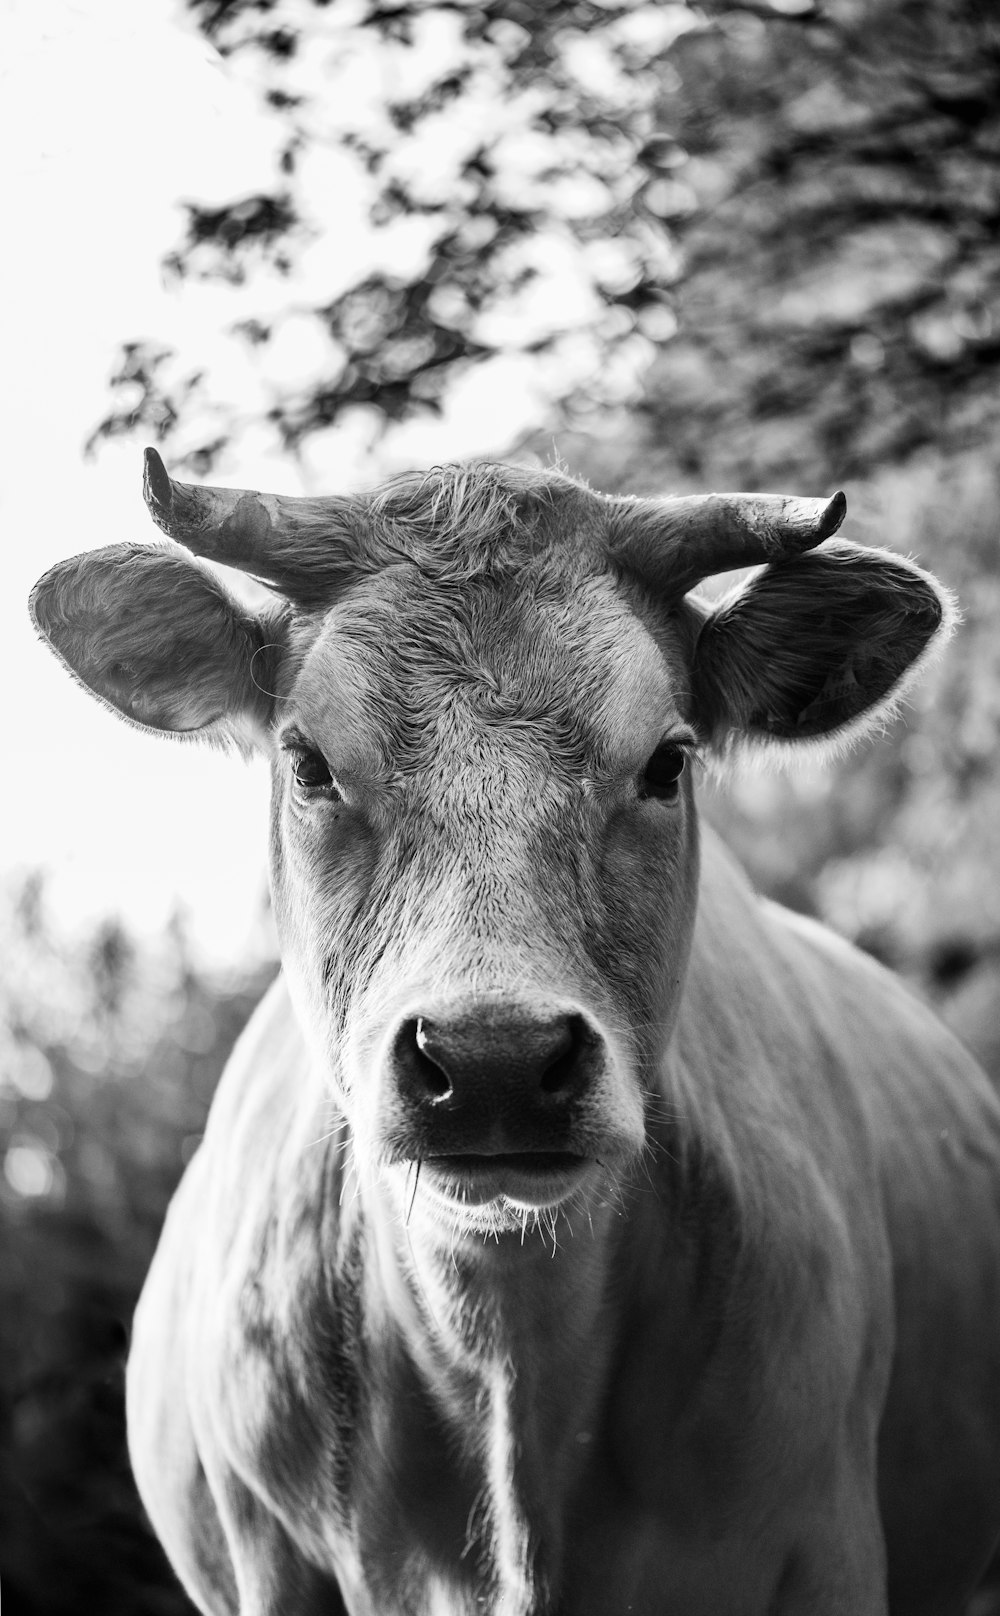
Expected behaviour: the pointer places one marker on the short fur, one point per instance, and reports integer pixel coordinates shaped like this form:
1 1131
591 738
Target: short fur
739 1355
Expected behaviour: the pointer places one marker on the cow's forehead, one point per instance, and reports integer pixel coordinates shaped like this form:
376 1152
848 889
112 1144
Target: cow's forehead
404 665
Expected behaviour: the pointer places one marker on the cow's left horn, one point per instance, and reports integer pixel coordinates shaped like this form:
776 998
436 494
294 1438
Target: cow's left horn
673 543
300 545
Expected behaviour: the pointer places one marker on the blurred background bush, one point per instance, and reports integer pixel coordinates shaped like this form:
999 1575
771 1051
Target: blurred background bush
109 1055
749 245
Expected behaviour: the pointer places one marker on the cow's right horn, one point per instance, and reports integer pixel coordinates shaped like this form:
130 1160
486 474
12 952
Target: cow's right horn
302 546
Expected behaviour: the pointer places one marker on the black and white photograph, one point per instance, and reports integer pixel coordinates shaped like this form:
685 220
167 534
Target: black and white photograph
500 857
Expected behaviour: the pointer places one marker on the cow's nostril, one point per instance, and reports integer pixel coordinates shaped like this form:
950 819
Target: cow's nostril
430 1072
499 1073
563 1056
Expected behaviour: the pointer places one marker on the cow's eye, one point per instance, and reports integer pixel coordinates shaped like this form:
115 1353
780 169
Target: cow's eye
311 773
661 776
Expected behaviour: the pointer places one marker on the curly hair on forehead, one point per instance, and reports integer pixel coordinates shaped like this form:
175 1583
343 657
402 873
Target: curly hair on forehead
463 521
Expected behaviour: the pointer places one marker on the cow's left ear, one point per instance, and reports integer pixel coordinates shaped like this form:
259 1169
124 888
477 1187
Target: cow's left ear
818 645
154 635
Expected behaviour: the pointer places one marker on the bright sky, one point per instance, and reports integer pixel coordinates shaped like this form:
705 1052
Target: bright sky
109 112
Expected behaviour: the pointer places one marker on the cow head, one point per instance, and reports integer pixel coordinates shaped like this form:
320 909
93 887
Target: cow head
481 690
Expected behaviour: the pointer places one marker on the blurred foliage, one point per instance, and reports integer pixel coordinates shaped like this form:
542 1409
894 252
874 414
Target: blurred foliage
789 210
492 159
838 213
109 1056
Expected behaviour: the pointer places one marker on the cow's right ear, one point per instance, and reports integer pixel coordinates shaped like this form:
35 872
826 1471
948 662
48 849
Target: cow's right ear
156 636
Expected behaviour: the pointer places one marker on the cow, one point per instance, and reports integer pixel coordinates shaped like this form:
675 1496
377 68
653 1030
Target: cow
574 1232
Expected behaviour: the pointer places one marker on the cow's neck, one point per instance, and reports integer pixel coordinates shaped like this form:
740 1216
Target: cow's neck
511 1341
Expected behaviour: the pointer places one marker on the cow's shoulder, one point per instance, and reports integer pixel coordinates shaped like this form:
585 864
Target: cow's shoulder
861 1139
848 1119
824 1029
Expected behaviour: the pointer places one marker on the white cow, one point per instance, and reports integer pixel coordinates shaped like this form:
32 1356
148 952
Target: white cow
574 1233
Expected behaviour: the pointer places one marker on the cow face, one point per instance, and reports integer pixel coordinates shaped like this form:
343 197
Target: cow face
482 693
484 868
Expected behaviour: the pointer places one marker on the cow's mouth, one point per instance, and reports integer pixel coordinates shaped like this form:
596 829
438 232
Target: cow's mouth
537 1161
532 1179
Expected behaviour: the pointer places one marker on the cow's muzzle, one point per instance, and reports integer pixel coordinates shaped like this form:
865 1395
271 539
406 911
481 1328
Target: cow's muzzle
495 1099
